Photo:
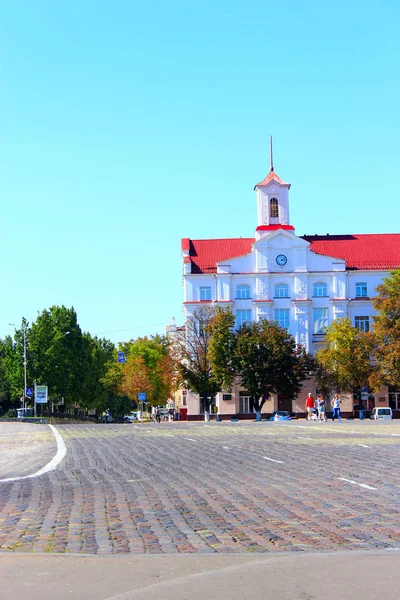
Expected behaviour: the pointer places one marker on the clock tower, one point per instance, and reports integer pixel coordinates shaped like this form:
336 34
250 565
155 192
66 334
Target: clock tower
272 203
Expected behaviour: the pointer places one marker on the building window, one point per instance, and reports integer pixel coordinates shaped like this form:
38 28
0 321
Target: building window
205 293
243 291
244 403
320 289
320 320
282 317
281 291
361 290
273 208
362 323
242 317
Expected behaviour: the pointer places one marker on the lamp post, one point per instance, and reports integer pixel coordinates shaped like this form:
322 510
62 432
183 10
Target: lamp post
24 363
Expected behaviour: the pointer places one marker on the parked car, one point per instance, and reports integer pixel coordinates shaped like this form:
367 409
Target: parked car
131 417
381 413
280 415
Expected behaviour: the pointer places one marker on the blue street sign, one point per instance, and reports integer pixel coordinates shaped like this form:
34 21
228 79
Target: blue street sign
29 392
121 357
142 397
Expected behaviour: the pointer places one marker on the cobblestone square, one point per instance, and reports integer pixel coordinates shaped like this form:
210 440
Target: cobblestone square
174 488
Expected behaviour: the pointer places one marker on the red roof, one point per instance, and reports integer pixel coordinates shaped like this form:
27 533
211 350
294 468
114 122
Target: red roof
272 176
204 254
375 251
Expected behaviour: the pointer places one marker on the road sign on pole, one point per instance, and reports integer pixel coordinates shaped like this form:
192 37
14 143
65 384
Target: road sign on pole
121 357
41 394
29 392
142 396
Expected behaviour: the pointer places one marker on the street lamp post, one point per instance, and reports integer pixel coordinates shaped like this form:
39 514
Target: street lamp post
24 363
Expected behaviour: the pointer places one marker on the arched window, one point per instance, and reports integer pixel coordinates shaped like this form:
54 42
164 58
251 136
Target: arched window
320 289
281 291
243 291
273 208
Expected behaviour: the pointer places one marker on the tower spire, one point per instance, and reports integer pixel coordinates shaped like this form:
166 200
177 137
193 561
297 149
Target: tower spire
270 153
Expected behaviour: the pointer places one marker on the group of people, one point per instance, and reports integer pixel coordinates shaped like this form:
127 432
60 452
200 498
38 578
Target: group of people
173 415
105 416
319 405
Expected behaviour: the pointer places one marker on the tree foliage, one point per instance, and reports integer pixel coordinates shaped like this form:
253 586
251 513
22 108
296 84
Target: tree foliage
148 368
222 348
387 329
344 362
269 361
265 357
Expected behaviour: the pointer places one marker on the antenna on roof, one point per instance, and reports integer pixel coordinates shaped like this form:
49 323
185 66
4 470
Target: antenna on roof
270 153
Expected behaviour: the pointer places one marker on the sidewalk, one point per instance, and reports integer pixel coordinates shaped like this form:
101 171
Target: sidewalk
333 576
24 448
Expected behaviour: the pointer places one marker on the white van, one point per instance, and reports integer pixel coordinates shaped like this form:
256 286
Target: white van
381 413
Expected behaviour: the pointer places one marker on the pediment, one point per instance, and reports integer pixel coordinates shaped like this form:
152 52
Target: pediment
280 238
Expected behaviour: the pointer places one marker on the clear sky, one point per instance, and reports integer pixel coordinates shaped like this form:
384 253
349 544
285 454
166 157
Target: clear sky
127 125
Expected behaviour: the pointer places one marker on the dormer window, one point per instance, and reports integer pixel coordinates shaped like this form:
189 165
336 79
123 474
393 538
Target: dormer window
273 208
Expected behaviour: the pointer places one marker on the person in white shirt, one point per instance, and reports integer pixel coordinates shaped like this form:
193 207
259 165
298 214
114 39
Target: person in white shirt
336 402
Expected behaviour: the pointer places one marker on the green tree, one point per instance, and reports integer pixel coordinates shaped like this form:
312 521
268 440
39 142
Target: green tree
344 362
97 353
57 353
222 348
269 361
387 329
11 375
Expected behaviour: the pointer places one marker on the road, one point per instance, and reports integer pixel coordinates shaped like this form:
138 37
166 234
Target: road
183 488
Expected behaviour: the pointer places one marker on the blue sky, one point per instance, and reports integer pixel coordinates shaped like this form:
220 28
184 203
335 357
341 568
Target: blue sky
128 125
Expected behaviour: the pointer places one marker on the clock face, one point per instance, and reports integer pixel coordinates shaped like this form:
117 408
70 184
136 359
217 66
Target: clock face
281 260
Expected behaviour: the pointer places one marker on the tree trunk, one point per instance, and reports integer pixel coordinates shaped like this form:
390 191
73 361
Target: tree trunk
257 408
207 415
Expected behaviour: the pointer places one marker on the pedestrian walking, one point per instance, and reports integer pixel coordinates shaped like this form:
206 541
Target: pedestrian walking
336 402
158 415
103 417
321 408
310 404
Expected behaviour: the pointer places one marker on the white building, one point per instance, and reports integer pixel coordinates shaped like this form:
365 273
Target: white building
304 283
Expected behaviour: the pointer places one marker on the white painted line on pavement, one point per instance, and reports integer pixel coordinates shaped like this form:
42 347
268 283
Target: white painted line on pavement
273 460
303 438
226 448
190 440
363 445
169 435
363 485
55 461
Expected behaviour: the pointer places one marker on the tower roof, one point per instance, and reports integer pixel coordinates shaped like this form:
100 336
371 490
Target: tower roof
272 176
